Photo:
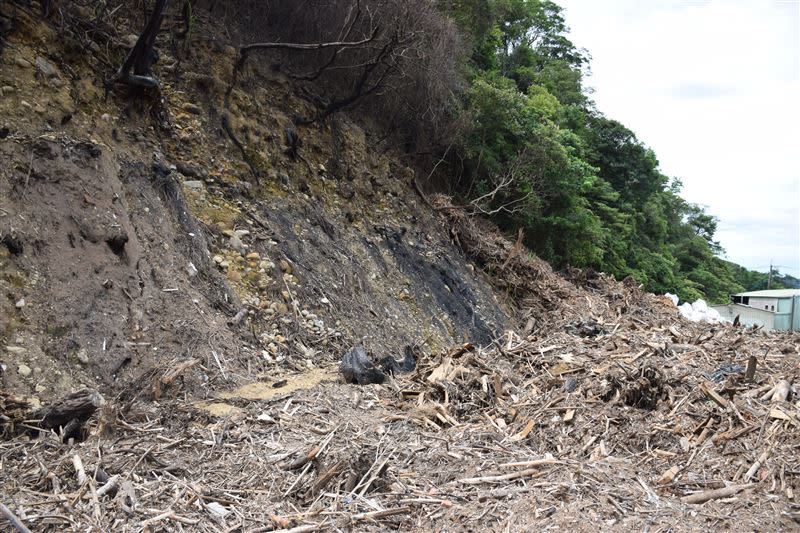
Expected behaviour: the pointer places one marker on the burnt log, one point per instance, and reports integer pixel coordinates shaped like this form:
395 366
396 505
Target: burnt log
78 406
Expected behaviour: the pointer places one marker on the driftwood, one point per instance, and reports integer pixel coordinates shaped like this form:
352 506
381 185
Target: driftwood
78 406
780 392
702 497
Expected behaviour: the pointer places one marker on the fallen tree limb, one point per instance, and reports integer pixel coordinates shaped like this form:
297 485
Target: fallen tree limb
110 485
758 464
78 405
374 515
79 470
533 462
532 472
702 497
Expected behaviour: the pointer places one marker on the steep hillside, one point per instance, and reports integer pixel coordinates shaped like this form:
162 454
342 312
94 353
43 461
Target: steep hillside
135 231
201 263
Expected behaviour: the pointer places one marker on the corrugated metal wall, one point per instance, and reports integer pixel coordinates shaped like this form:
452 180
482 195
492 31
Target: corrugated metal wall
748 316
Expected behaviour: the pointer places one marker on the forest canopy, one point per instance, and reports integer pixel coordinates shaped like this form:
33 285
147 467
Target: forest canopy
585 190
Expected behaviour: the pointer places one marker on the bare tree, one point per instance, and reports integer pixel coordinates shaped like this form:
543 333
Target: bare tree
401 54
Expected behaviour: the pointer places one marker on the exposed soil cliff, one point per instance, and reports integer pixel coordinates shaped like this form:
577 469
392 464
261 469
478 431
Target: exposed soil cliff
135 230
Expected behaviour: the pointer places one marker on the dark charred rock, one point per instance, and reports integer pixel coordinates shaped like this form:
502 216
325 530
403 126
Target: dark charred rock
117 242
44 149
13 243
191 171
90 149
293 142
303 187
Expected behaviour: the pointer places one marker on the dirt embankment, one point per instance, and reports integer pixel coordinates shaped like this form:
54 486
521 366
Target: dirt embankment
134 231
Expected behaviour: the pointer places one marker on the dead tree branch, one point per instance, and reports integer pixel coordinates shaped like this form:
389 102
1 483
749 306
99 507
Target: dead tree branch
13 520
506 188
308 46
142 56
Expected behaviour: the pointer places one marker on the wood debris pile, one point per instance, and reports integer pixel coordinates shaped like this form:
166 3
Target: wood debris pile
605 411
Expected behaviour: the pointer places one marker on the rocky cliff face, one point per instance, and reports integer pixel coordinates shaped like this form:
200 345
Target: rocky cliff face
137 235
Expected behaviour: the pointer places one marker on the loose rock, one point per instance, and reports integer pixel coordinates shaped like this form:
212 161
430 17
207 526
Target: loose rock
45 67
192 108
237 244
83 356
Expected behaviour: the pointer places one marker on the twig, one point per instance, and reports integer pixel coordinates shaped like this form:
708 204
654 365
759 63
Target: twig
79 470
374 476
110 485
12 518
298 529
28 177
374 515
312 454
759 462
221 369
534 462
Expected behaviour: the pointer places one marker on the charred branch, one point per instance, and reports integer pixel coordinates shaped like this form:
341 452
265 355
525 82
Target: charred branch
143 55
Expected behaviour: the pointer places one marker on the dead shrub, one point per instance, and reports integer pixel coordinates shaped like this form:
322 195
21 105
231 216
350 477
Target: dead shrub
397 63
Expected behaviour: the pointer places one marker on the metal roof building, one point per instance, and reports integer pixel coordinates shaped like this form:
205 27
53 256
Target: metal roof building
777 309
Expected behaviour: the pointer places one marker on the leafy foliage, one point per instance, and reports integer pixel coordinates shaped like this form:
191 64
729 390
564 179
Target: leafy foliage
592 194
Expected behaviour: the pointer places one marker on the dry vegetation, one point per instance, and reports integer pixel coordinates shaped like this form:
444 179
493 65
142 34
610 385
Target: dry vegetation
607 412
390 62
603 410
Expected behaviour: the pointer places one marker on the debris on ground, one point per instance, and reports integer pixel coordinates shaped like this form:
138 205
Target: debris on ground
210 313
613 413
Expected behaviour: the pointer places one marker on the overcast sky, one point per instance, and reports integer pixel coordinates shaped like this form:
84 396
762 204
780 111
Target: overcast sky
714 88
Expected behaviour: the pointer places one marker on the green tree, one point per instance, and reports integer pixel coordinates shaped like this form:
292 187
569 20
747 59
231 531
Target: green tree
537 154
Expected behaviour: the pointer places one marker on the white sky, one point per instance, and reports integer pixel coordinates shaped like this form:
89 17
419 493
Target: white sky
714 88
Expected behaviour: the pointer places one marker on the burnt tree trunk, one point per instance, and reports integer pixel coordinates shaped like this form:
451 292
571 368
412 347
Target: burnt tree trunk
142 56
